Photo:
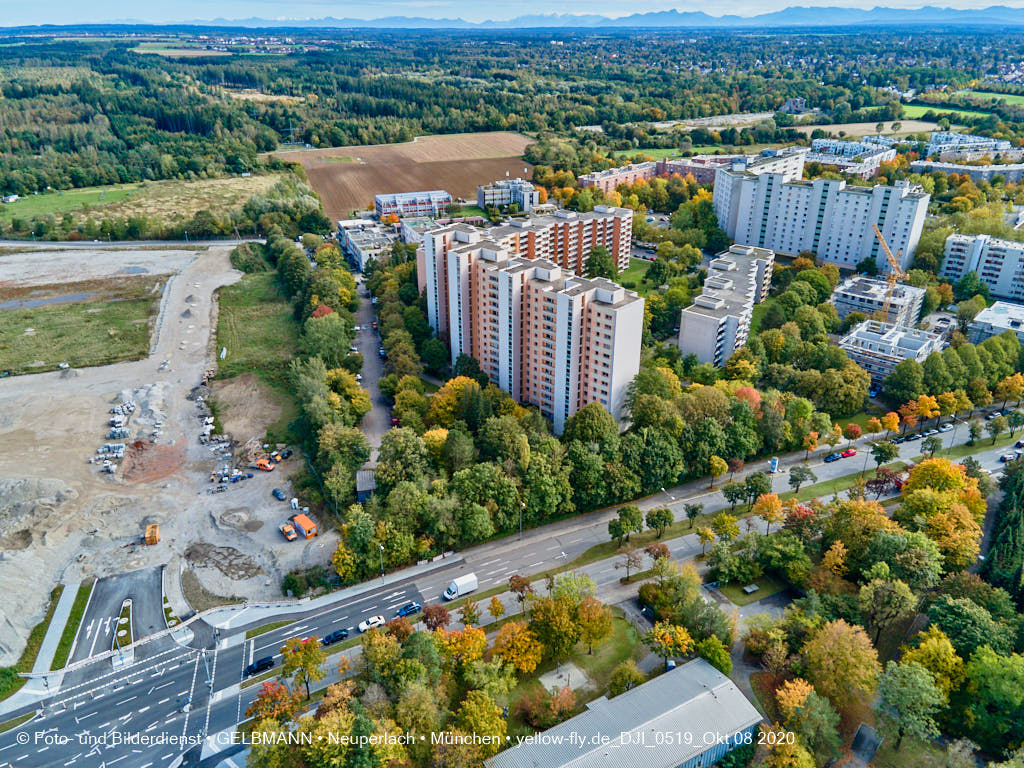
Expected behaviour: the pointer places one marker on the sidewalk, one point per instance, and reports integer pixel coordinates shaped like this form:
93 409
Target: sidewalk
48 648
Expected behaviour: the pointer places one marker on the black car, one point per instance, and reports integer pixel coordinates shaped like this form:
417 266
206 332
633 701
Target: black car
913 437
260 665
286 453
335 637
409 609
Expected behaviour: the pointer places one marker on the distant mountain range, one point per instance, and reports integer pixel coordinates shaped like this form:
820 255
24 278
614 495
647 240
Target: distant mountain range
796 16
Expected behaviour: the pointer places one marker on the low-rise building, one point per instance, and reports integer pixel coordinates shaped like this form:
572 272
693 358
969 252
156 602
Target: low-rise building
689 717
363 240
413 228
1009 172
429 203
999 318
854 158
701 167
951 141
998 263
508 192
718 321
868 296
879 347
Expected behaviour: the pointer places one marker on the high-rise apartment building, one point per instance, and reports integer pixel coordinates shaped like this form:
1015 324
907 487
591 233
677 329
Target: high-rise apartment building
767 204
999 263
718 321
565 238
509 191
999 318
542 334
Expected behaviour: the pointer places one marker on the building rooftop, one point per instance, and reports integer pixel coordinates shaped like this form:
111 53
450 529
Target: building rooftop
875 289
694 698
1002 314
890 340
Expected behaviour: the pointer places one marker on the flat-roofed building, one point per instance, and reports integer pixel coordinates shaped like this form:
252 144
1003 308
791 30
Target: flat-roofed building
951 141
879 347
508 191
428 203
868 296
768 205
718 321
854 158
998 263
688 717
999 318
363 239
538 331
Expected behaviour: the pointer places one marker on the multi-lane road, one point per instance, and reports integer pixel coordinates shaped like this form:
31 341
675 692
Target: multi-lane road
173 696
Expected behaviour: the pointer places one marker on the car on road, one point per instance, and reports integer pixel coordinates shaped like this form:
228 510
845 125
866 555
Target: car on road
374 621
278 494
334 637
915 436
288 531
848 453
260 665
833 457
931 432
898 440
946 428
409 609
1007 457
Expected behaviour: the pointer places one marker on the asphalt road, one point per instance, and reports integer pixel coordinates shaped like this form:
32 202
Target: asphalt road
81 724
96 633
378 421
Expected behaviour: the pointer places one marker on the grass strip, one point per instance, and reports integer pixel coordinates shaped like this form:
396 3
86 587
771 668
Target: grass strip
67 637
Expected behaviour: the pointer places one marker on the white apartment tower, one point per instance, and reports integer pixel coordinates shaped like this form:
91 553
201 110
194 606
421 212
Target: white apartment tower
766 204
999 263
718 321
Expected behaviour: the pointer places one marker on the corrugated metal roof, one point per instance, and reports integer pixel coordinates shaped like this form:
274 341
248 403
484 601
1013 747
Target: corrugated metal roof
634 729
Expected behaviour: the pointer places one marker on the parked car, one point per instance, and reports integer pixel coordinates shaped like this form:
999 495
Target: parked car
288 531
833 457
287 453
335 637
278 494
849 452
409 609
992 415
946 428
394 421
359 377
915 436
374 621
931 432
898 440
1007 457
1019 444
260 665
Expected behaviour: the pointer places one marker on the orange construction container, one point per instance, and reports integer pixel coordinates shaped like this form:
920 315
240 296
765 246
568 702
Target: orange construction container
152 534
304 525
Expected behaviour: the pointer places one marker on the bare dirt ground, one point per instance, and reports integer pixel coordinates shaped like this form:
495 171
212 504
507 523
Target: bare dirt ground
63 519
457 163
245 406
868 129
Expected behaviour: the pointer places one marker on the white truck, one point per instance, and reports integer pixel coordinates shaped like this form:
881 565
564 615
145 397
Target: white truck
461 585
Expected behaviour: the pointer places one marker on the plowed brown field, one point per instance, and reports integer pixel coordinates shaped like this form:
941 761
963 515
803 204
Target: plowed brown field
457 162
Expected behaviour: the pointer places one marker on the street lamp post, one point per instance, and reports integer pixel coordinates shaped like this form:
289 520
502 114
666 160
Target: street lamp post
522 506
382 562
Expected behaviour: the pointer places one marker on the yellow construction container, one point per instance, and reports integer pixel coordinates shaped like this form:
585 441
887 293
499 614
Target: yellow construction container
152 534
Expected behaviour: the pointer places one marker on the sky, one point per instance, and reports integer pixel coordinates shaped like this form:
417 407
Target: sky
19 12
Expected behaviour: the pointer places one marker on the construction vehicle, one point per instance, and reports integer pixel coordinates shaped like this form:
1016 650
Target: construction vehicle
304 525
264 465
896 275
288 531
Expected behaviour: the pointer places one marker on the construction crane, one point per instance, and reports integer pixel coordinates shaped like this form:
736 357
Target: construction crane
896 274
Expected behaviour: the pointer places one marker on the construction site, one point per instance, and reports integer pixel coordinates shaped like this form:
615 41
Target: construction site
118 466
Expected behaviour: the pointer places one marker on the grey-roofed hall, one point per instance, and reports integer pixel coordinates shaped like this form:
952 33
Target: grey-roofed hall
687 717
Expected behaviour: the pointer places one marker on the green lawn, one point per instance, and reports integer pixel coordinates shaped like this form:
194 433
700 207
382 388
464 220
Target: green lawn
759 313
108 325
916 111
768 586
257 631
468 210
660 153
14 723
634 273
1009 98
829 488
256 325
67 637
57 203
983 443
913 753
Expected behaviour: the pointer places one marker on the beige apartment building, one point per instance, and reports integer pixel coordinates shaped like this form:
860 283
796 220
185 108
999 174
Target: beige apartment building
565 238
539 332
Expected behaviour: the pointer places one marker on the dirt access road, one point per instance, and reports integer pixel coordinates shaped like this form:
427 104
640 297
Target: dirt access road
61 519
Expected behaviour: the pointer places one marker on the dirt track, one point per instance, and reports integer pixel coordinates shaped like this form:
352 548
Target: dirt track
61 519
457 163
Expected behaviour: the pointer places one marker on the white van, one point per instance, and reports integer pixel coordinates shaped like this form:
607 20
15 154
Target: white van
460 586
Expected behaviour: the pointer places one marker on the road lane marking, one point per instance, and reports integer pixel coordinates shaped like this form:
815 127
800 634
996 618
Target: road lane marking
132 698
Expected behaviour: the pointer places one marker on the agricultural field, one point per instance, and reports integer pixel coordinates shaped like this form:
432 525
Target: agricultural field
455 162
868 129
163 201
919 110
92 322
